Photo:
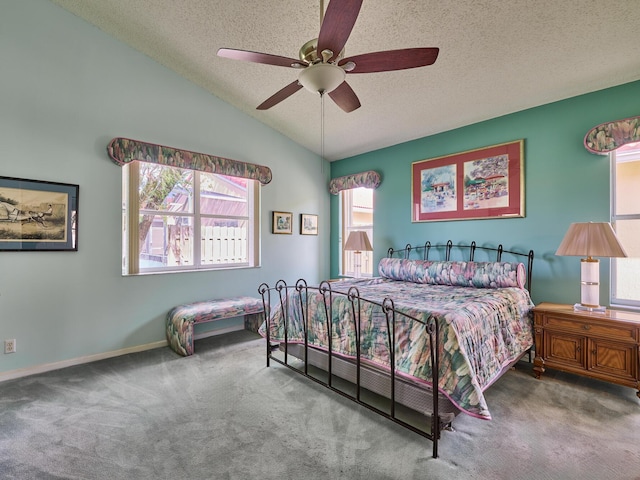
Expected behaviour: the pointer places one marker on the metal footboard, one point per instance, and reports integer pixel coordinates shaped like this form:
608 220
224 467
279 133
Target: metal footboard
283 293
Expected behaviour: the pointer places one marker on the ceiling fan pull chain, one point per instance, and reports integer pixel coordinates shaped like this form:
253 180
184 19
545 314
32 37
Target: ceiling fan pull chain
322 131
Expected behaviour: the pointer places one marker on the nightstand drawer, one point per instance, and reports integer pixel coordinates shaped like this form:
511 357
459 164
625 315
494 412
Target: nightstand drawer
589 327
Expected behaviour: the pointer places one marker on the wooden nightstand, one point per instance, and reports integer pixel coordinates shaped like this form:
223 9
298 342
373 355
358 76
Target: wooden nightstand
605 346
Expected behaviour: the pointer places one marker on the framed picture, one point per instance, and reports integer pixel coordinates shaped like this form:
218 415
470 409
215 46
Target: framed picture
282 222
308 224
37 215
483 183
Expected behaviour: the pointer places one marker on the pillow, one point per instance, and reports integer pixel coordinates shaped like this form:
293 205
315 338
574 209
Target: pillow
416 271
488 274
463 274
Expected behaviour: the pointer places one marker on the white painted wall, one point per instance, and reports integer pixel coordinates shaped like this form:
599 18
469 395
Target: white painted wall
66 90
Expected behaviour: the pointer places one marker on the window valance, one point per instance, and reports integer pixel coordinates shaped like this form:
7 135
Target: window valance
125 150
609 136
369 179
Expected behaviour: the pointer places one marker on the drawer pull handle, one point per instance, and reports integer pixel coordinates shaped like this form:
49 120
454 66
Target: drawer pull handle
587 327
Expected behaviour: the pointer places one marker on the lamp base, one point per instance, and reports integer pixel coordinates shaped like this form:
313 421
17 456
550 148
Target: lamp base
357 255
578 307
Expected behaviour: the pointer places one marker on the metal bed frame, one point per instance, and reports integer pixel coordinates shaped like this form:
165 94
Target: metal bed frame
398 389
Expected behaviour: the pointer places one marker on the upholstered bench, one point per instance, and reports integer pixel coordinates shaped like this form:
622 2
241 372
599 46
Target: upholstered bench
180 319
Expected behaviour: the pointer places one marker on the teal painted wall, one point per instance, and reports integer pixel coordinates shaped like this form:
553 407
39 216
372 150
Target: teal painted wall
67 90
563 183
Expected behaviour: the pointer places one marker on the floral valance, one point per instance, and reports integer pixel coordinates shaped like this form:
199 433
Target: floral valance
125 150
369 179
609 136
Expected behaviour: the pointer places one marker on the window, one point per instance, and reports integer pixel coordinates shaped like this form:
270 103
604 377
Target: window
357 214
625 217
177 219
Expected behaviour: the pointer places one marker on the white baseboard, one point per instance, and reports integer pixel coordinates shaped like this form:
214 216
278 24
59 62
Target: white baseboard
47 367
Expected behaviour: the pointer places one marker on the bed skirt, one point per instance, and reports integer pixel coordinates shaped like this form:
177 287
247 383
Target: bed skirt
413 395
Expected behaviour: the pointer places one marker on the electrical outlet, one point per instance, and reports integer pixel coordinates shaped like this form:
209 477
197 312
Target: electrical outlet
10 346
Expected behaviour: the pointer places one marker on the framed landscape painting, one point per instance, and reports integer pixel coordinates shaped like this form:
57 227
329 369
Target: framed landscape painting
38 216
483 183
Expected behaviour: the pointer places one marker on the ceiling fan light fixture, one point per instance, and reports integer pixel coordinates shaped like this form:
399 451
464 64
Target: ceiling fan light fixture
321 77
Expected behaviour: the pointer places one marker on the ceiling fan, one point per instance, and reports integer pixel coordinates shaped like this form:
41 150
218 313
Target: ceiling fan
322 66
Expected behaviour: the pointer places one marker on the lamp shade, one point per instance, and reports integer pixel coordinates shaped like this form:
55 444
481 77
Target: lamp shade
358 241
592 239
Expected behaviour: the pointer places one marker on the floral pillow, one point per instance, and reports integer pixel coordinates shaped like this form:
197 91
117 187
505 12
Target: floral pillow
416 271
463 274
488 274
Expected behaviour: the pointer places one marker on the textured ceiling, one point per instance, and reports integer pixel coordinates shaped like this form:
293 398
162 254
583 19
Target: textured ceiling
496 57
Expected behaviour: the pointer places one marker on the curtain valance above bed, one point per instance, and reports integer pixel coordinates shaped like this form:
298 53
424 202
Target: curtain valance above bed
609 136
369 179
125 150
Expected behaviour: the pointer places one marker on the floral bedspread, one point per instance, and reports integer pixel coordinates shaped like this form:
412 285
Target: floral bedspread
481 331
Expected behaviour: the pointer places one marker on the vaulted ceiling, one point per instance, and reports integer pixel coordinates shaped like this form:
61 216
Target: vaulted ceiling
496 57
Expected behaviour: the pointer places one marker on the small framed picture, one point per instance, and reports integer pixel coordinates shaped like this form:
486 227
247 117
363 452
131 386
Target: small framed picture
308 224
282 223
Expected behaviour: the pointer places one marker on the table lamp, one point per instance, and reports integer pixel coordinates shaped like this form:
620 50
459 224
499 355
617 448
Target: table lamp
358 241
592 239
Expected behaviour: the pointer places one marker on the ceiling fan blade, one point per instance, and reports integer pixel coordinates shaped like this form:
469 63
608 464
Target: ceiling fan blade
257 57
280 95
337 25
345 97
392 60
